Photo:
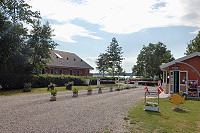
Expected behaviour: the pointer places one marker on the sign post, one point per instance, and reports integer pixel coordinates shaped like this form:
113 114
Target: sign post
118 80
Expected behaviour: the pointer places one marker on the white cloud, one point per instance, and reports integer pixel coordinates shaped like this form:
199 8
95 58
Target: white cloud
91 62
128 63
65 32
119 16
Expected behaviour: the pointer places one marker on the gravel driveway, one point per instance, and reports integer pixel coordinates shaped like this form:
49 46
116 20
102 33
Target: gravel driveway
87 113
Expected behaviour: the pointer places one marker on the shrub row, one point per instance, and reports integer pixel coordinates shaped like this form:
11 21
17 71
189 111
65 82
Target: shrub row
16 81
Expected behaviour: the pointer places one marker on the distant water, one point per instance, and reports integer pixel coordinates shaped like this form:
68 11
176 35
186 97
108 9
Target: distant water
115 76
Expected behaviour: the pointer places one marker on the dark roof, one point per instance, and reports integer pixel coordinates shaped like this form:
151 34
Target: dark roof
64 59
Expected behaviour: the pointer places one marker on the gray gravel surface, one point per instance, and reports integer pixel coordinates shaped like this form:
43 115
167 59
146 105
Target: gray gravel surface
84 114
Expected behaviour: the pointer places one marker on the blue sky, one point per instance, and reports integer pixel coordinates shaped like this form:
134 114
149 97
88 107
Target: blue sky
86 27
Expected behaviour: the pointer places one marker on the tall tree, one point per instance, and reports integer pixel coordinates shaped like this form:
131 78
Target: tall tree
114 52
40 43
194 45
21 51
102 63
12 46
18 11
150 58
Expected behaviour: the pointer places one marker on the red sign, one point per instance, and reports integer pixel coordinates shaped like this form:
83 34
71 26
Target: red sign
160 90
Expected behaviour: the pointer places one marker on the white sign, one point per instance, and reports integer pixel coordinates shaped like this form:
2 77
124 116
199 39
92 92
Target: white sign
98 83
88 81
152 94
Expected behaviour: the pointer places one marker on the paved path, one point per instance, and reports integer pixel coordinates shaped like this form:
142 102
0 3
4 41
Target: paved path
95 113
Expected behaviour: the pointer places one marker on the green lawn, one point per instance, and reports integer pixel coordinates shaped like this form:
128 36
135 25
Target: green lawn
167 120
44 90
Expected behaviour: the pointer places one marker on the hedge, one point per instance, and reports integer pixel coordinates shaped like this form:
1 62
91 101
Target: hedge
16 81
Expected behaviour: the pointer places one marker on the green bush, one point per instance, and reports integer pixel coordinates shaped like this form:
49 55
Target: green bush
75 90
53 92
27 85
89 89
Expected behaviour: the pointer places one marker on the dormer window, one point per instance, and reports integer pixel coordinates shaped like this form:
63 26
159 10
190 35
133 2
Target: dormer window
58 56
67 58
74 59
81 60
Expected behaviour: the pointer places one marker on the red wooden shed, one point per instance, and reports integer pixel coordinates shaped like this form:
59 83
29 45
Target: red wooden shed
183 75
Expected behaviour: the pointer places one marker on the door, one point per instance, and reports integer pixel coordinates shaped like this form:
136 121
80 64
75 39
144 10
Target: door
176 81
183 81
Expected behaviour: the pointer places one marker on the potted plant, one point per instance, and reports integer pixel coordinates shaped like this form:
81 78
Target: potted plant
111 89
1 87
100 90
75 92
89 91
53 94
151 106
117 89
69 85
51 86
27 87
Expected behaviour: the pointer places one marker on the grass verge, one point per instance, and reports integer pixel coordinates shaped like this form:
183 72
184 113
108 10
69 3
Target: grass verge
44 90
168 119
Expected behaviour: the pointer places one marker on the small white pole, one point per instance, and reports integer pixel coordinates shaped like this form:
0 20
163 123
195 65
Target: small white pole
118 80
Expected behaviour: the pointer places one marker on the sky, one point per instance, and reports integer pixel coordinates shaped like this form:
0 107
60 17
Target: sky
86 27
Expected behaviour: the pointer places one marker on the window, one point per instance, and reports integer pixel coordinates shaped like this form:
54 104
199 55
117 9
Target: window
78 73
81 72
52 71
56 71
58 56
61 71
74 72
66 72
86 73
71 72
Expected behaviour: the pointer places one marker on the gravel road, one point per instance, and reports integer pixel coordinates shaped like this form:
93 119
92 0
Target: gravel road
84 114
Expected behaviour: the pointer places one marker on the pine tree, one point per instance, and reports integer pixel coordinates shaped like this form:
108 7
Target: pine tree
114 52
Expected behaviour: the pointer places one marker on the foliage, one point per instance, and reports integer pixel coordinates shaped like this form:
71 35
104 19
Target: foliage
52 85
152 104
194 45
69 85
23 52
53 92
150 58
39 45
75 90
89 89
1 87
16 81
100 88
102 63
18 10
114 57
27 85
